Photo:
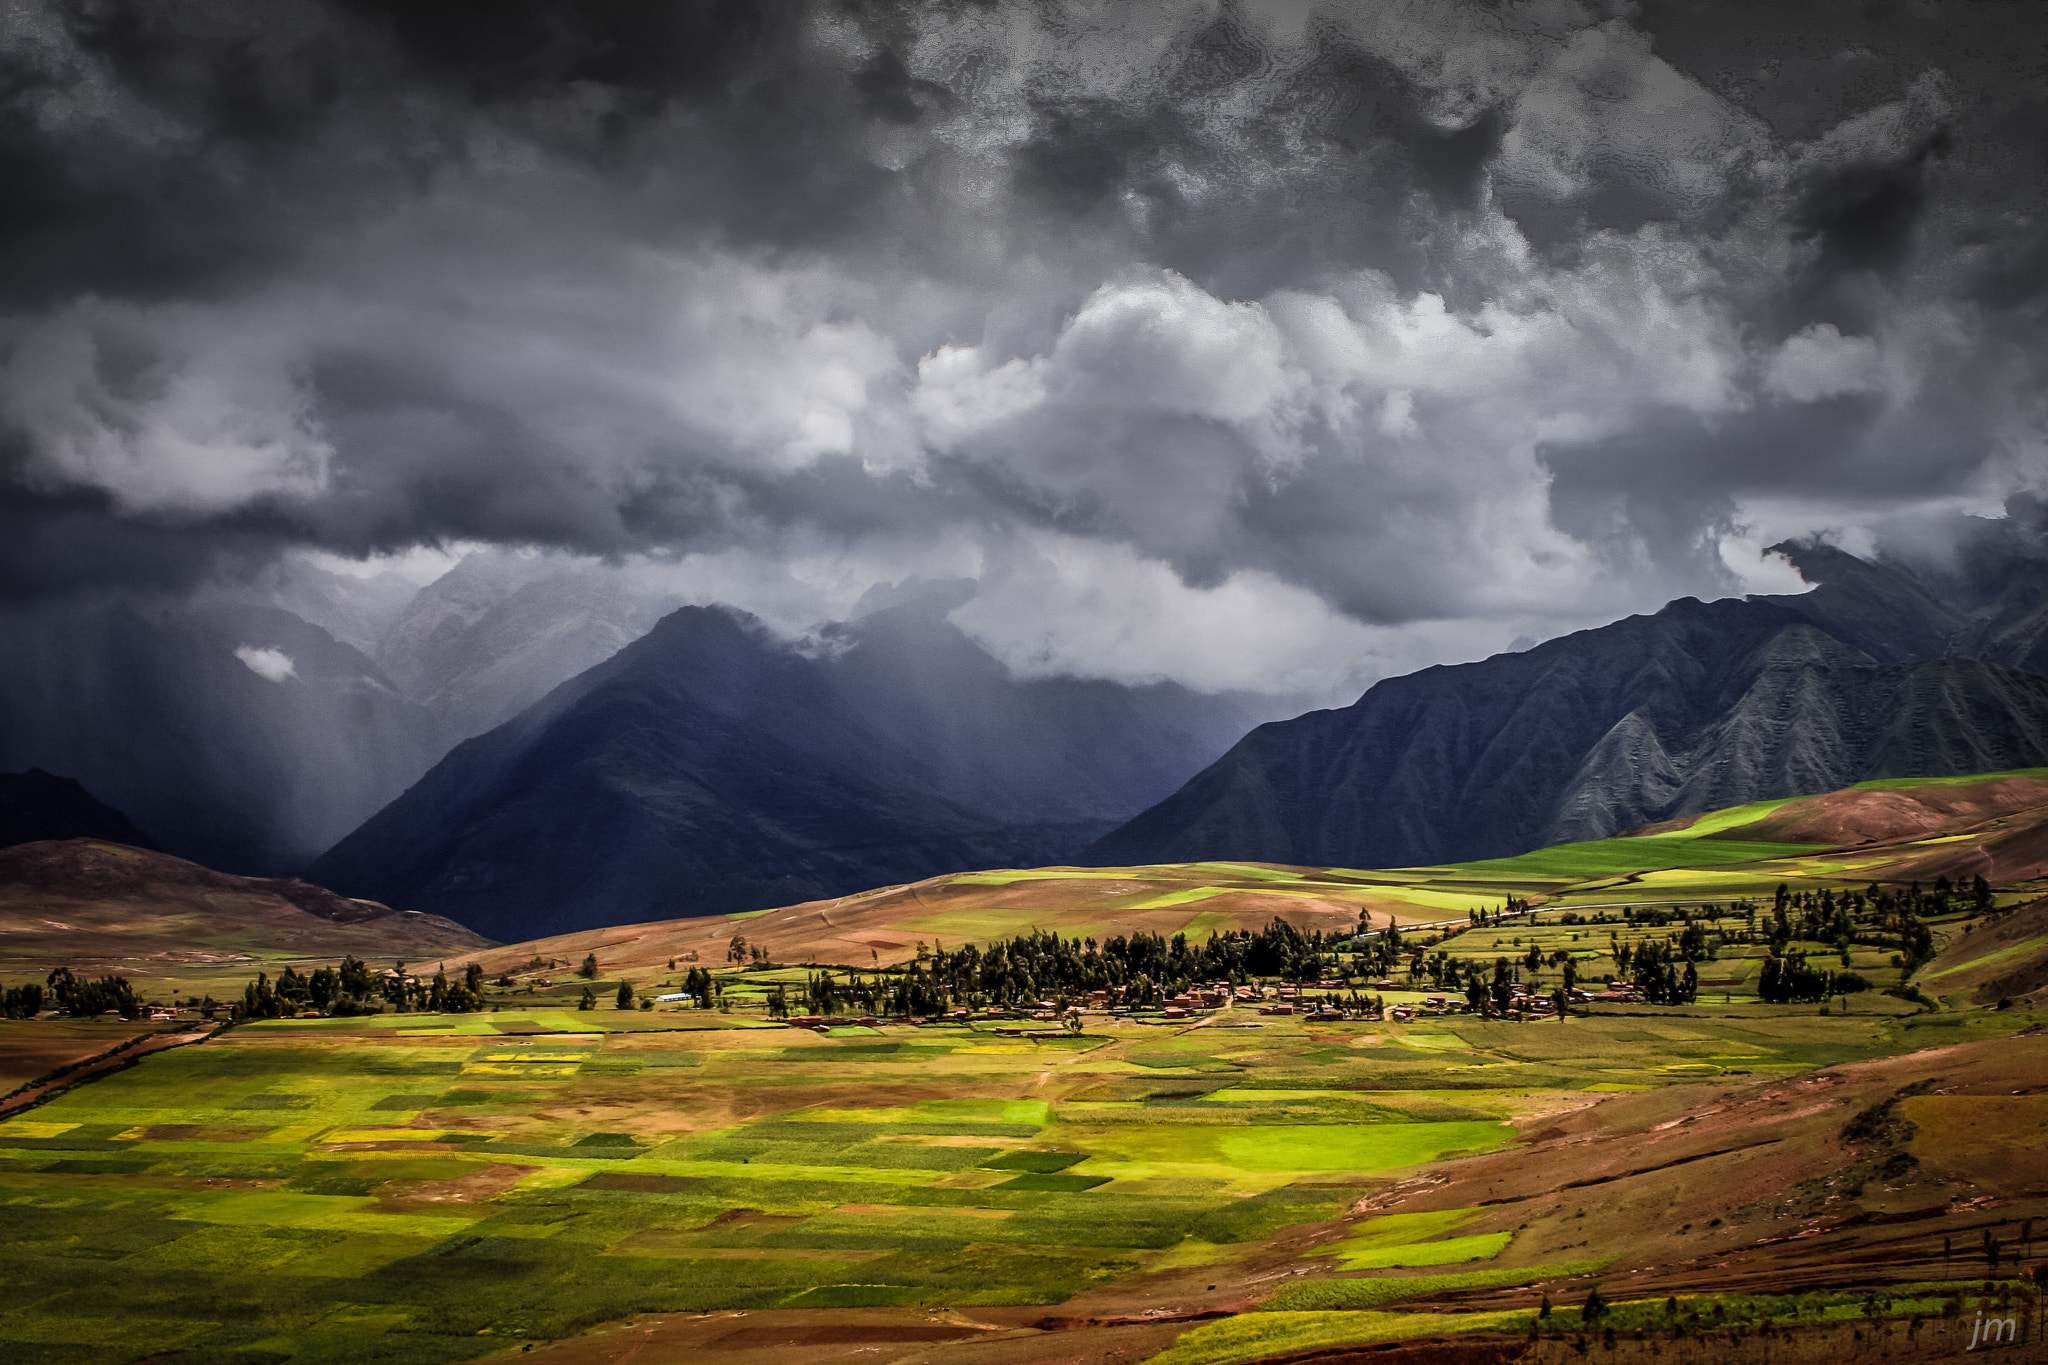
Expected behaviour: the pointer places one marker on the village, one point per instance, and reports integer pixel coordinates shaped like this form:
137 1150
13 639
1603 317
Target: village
1321 1003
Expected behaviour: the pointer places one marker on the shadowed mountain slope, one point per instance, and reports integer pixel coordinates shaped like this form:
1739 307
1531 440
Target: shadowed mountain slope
709 767
37 805
1697 707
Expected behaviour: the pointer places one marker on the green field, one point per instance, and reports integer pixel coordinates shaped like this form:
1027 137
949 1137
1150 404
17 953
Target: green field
415 1187
303 1190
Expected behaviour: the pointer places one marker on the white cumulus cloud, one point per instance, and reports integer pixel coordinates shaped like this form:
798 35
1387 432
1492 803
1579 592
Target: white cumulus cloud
266 662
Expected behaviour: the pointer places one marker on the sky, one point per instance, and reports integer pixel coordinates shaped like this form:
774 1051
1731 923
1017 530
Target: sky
1270 345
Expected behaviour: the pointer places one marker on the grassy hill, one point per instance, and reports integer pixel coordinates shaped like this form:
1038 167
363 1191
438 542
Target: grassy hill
1891 830
175 928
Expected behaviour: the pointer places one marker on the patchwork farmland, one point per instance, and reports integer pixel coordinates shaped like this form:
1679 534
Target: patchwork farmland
1851 1177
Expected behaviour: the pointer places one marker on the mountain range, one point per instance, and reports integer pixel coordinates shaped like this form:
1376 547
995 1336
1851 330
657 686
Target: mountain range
1699 706
253 726
528 743
713 767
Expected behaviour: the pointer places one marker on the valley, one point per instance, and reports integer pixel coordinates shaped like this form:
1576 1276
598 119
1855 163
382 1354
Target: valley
1270 682
555 1177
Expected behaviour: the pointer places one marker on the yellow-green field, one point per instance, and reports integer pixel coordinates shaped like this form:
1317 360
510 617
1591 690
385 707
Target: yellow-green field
587 1185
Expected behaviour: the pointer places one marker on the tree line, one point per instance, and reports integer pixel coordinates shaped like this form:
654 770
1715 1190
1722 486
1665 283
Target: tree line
354 988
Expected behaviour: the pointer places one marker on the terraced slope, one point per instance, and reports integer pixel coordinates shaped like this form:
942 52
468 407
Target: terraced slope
1993 825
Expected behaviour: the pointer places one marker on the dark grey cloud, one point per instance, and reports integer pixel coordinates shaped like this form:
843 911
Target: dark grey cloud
1456 317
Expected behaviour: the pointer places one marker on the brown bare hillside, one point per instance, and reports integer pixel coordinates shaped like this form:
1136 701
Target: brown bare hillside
1851 1175
1887 814
2004 957
86 902
2010 848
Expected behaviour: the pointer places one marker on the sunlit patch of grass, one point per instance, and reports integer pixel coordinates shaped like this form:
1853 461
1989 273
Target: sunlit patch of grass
1254 1336
1324 1295
1451 1251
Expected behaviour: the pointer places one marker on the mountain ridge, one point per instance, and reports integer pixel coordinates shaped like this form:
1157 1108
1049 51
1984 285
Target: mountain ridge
710 766
1697 706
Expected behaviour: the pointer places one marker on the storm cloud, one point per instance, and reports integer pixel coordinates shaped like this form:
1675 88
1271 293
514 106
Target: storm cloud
1320 339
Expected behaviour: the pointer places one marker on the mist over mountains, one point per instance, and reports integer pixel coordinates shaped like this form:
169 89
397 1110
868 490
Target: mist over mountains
253 725
534 742
252 737
711 767
239 736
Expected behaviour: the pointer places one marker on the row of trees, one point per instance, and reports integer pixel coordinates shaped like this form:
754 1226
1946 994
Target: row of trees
1142 966
86 996
1791 980
1480 919
353 988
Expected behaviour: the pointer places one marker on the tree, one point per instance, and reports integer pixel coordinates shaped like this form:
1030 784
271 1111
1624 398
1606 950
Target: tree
21 1002
588 971
261 1001
1595 1306
473 978
625 995
736 950
85 999
322 988
589 1000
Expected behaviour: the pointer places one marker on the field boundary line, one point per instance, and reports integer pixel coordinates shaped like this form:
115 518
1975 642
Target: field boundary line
67 1078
